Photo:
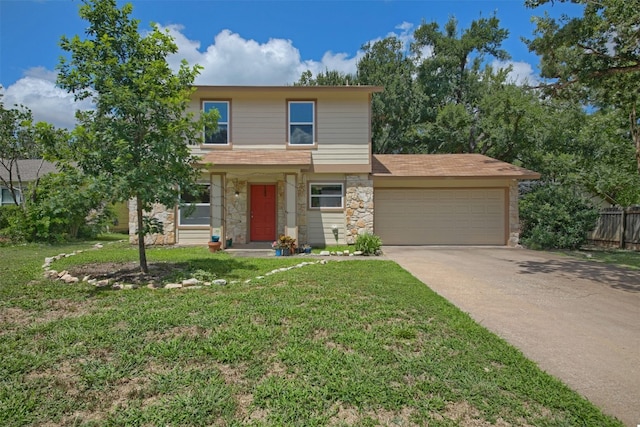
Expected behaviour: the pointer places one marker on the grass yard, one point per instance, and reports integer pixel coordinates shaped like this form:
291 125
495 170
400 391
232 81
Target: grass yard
347 343
629 259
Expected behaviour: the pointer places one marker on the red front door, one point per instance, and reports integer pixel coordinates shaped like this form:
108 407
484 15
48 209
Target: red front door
263 212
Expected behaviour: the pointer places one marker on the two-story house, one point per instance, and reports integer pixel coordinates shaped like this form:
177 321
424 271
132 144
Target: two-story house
298 160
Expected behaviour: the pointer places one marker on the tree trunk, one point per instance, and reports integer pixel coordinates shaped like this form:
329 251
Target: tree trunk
142 254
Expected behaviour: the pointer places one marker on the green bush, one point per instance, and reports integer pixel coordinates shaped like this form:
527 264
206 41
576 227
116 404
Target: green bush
556 217
368 243
62 206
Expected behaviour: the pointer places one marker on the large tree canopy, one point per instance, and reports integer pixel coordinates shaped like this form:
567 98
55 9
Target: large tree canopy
136 138
595 57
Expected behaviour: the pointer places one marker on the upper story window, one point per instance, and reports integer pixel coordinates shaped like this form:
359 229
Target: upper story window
6 197
302 122
220 135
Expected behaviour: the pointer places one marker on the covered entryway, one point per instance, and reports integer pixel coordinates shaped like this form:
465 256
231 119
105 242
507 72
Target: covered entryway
441 216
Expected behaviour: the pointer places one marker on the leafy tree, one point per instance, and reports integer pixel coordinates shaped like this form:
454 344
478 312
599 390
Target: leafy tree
326 78
556 217
450 72
396 111
62 206
595 57
17 142
136 139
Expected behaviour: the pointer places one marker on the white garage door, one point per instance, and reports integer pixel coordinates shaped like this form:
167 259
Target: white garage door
440 216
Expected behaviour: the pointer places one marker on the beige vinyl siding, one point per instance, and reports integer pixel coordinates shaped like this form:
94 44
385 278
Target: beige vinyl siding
319 229
343 131
441 216
192 236
259 121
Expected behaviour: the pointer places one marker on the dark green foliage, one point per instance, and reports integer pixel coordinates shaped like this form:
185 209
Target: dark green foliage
368 243
555 216
62 206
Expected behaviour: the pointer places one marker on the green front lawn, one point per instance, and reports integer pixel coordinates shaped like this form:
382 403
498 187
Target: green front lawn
630 259
347 343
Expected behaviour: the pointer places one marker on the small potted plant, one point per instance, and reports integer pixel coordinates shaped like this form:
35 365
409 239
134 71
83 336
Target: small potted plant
306 248
286 244
277 247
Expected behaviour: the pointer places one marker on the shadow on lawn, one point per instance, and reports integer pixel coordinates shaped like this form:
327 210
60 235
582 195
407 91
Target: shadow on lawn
164 271
616 277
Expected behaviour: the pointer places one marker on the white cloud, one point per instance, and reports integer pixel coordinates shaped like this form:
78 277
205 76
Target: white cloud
521 73
37 91
234 60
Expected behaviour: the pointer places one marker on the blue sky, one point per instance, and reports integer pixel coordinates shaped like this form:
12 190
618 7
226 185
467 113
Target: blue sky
241 42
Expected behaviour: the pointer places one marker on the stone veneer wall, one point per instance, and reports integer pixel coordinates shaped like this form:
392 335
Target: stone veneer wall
301 209
236 210
359 206
513 217
160 212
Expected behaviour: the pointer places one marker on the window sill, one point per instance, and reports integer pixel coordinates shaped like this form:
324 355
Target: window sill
313 146
228 146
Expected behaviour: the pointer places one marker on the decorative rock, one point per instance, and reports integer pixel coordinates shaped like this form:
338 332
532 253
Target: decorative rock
346 252
51 274
86 278
190 282
332 253
192 287
116 286
98 246
92 281
357 253
206 284
102 283
324 261
151 286
49 260
325 253
62 273
67 278
173 286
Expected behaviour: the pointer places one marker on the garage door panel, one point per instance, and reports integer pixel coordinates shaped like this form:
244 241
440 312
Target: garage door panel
440 216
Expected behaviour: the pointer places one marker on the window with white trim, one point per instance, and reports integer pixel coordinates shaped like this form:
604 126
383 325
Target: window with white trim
6 197
196 209
221 134
328 195
302 122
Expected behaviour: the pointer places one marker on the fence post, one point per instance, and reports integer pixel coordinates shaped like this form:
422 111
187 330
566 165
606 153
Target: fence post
623 227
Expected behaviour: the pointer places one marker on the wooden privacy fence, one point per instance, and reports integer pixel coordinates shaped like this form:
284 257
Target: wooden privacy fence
618 228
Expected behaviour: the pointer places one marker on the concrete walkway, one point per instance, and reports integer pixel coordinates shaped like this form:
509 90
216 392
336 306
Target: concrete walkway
579 320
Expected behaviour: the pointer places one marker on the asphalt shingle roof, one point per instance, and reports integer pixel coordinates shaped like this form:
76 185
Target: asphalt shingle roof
446 165
30 170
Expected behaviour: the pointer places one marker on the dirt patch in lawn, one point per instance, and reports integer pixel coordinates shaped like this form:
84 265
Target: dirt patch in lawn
128 272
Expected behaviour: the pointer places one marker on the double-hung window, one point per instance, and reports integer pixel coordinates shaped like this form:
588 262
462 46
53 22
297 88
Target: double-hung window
221 134
196 209
6 197
302 122
326 195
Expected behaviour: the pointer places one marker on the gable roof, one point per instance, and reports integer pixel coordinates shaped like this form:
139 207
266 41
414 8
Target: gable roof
30 169
446 165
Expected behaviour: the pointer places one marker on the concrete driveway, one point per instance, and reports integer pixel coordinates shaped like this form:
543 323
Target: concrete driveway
579 320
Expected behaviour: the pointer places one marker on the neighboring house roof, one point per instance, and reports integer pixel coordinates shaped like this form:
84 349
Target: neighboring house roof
30 170
446 165
258 158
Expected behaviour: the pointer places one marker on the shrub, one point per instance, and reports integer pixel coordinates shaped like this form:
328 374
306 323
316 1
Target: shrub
368 243
556 217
